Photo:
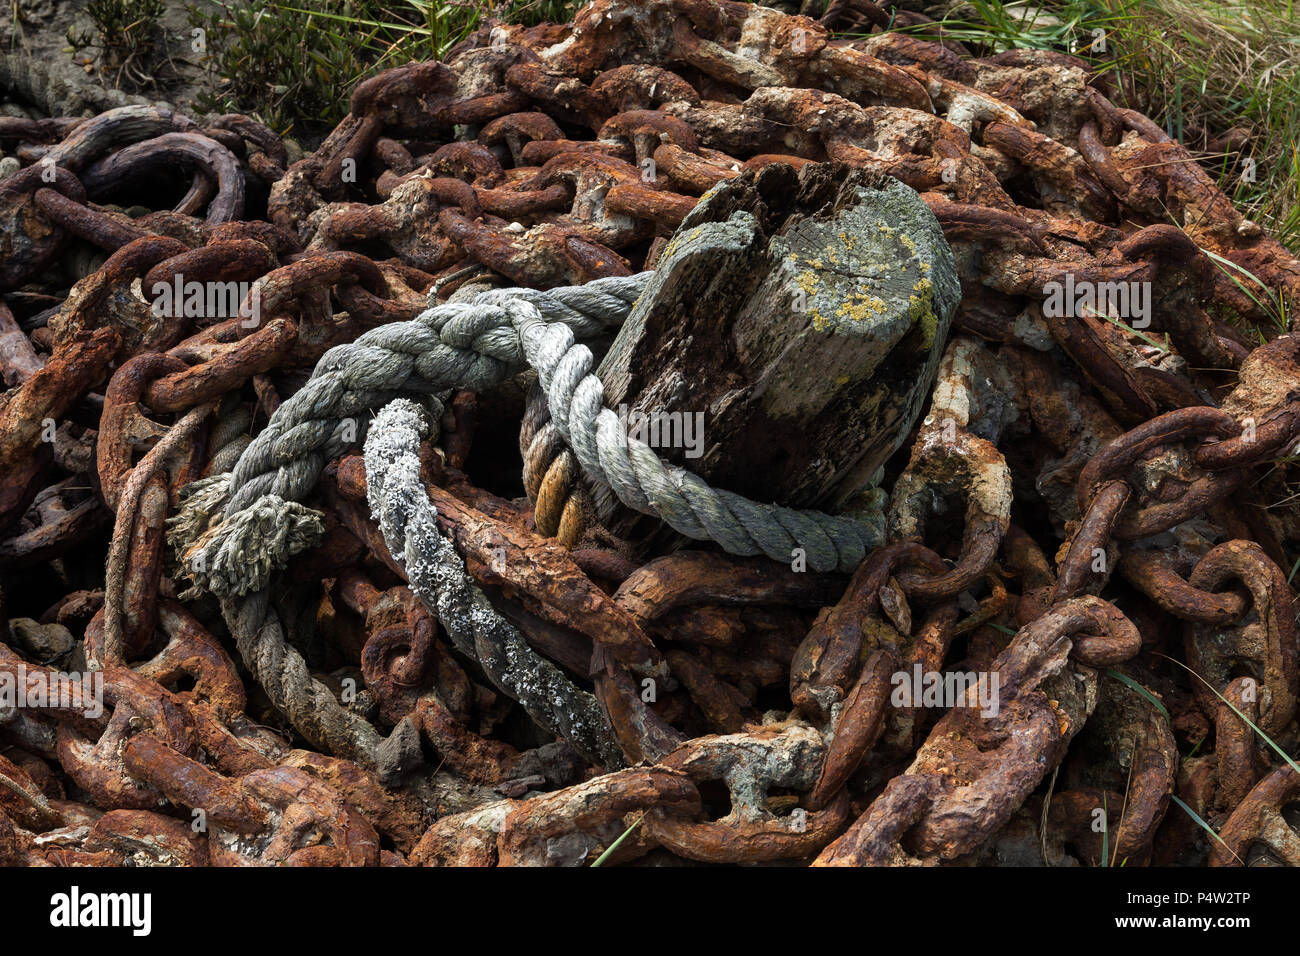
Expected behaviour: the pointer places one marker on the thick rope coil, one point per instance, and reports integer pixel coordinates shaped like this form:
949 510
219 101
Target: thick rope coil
474 345
283 673
552 475
230 435
222 524
437 576
456 345
645 483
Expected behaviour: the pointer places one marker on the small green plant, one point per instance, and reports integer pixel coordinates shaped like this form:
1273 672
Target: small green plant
287 65
1267 300
1196 817
1141 691
990 26
128 35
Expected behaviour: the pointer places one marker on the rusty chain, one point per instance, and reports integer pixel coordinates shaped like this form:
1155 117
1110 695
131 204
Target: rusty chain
969 675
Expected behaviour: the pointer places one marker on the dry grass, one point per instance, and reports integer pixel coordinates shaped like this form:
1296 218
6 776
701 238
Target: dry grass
1203 69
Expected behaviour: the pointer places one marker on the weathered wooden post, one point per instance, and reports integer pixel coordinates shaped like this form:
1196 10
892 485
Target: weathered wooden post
799 318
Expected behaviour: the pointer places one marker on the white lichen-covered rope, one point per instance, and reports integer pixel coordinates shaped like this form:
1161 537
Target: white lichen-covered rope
237 528
455 345
437 576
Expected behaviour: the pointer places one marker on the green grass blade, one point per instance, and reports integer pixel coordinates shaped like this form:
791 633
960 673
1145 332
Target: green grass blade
1249 723
1141 691
1204 826
615 845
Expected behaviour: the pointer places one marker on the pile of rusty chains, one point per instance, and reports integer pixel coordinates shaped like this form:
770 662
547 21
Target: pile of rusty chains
486 165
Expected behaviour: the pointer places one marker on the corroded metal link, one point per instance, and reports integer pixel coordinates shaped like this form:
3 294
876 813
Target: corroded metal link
754 704
975 768
1264 642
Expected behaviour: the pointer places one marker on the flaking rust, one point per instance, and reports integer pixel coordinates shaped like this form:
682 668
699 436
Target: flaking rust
866 249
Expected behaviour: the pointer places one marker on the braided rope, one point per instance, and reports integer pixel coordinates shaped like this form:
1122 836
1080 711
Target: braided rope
455 345
437 576
229 436
474 345
645 483
283 673
552 475
235 529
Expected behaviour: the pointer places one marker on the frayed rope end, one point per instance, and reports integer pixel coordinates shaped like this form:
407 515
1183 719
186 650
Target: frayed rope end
236 554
